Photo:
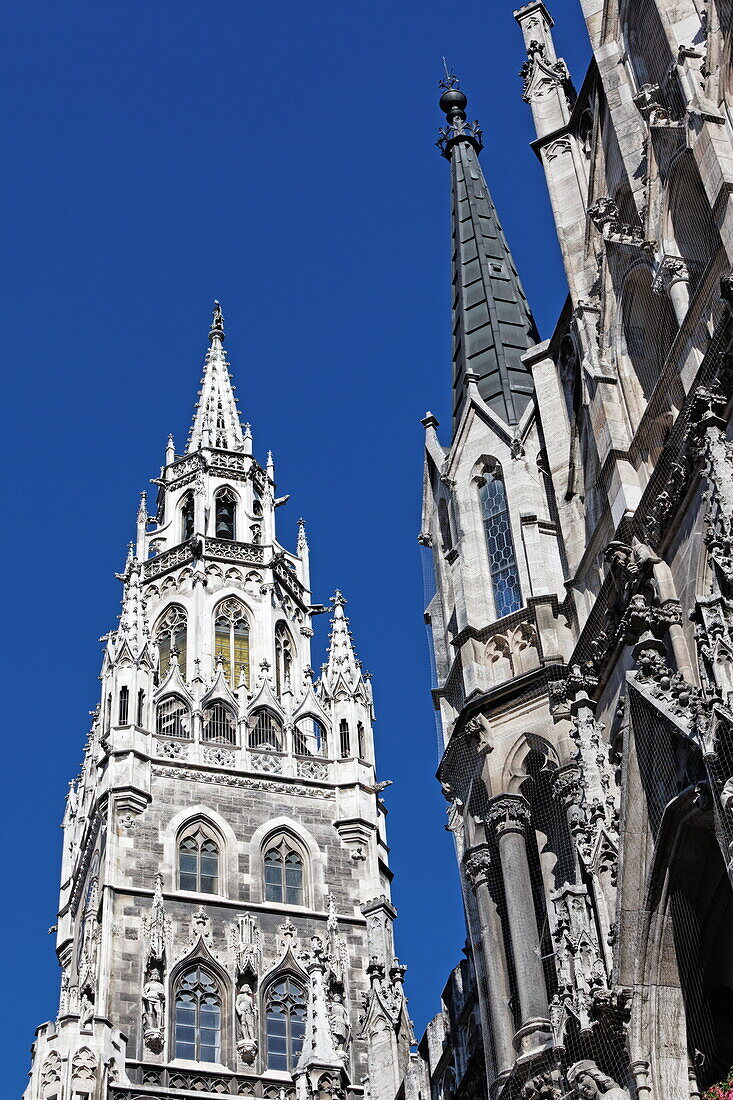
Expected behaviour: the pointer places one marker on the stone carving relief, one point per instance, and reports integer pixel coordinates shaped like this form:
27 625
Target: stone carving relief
589 1083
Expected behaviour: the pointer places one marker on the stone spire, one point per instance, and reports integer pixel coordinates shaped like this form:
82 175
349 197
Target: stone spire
492 322
342 659
133 628
216 419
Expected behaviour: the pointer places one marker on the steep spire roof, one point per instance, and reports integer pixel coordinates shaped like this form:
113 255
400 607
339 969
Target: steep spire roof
492 322
133 628
342 660
216 419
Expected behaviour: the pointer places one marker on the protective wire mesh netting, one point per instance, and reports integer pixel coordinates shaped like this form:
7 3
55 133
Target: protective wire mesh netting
657 920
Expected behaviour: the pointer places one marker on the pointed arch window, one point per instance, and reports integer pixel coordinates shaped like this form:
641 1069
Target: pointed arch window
140 707
219 724
266 731
172 718
123 708
499 542
198 860
187 517
170 635
231 640
198 1017
285 1014
446 536
283 658
344 739
226 514
284 873
309 737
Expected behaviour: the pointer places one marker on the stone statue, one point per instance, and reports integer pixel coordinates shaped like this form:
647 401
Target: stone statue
589 1083
340 1027
153 1001
245 1008
86 1009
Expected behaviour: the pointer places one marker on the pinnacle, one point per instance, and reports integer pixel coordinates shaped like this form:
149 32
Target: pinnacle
216 420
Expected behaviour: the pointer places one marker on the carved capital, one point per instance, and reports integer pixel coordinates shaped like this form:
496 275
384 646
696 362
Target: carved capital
477 865
508 814
568 785
603 212
671 270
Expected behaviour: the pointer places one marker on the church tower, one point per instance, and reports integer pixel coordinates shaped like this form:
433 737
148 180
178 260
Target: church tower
225 923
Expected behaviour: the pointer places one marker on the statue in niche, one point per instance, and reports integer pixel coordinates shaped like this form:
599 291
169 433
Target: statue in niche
340 1027
86 1008
247 1023
589 1083
153 1002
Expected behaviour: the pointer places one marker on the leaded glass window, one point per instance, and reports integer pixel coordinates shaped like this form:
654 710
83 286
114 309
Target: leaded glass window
226 514
198 862
170 635
266 731
499 543
219 724
231 641
198 1017
187 520
285 1012
172 718
283 874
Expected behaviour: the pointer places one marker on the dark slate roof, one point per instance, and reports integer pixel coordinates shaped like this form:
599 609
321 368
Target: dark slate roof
492 322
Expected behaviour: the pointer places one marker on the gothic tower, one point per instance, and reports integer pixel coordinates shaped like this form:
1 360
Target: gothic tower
224 918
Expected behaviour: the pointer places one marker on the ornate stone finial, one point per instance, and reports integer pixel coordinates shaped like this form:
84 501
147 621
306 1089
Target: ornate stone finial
216 332
338 600
453 103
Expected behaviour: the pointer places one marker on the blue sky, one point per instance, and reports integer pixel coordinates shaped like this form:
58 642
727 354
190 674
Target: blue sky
281 158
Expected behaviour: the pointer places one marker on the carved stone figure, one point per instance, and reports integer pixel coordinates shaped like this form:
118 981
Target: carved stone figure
245 1007
153 1002
589 1083
340 1027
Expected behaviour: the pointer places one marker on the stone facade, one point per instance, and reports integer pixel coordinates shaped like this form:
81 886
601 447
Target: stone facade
224 921
581 530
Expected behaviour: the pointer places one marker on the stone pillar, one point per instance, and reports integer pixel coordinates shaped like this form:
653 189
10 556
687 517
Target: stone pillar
509 817
673 278
477 866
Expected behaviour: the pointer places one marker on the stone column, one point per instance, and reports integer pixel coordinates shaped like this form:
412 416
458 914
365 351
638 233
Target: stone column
673 278
509 817
477 866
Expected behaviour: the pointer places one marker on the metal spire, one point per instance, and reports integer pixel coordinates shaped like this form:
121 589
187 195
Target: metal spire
216 418
492 322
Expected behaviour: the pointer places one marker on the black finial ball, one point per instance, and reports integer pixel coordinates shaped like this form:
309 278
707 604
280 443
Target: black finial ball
453 100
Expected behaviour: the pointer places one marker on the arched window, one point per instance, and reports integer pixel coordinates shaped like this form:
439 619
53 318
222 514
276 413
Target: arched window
226 514
344 739
140 707
283 873
257 506
361 739
123 710
172 718
198 1017
231 640
446 536
646 44
499 542
649 328
285 1012
187 514
198 860
170 634
266 731
283 657
219 724
309 737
